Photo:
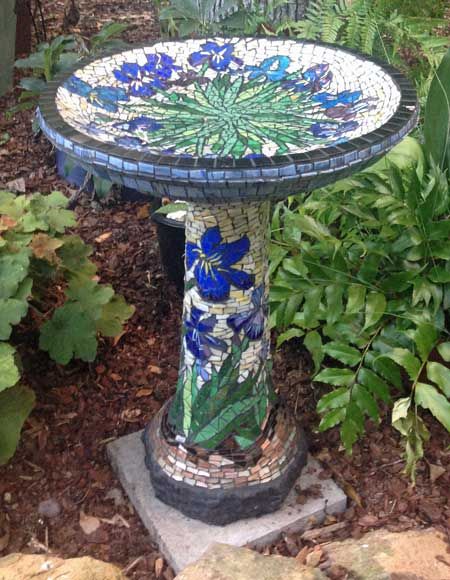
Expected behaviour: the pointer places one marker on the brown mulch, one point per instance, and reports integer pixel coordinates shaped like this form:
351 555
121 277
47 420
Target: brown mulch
83 406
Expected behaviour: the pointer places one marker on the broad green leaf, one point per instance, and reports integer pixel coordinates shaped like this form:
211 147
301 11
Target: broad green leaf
309 226
336 376
276 255
375 308
74 255
343 352
444 350
16 404
113 316
374 383
440 375
334 293
405 359
70 333
311 305
292 305
13 269
90 295
332 418
11 312
337 399
9 373
429 398
437 114
400 411
365 402
439 275
425 337
288 334
313 342
356 299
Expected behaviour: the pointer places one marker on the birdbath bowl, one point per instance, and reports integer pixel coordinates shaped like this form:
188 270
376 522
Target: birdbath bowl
229 125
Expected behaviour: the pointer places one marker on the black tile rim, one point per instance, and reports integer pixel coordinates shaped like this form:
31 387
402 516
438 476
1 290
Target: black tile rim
294 165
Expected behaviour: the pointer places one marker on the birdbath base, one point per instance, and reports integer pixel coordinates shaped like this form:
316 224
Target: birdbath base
223 449
218 491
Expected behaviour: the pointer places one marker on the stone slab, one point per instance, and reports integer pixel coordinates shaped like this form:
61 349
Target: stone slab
183 540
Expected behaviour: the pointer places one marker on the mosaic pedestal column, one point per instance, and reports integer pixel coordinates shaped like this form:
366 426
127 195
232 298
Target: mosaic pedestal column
223 448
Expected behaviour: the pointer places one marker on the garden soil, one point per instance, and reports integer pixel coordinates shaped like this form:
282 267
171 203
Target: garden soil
81 407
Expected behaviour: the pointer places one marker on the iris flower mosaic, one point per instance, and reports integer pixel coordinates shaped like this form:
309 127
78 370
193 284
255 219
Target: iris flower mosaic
214 260
216 101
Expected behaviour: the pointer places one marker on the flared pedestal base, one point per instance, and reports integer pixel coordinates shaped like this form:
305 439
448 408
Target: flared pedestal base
219 489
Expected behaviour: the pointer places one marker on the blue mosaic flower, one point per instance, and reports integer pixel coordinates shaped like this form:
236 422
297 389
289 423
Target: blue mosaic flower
199 339
213 260
313 79
272 69
219 56
142 123
201 370
328 100
251 321
326 130
104 97
143 80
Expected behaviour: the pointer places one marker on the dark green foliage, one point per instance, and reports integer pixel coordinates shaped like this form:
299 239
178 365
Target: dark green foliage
224 406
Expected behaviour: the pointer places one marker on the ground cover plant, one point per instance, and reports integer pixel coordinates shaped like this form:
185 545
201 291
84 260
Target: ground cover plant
38 255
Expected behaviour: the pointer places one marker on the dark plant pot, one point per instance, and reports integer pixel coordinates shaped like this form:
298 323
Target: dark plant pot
70 172
171 239
130 194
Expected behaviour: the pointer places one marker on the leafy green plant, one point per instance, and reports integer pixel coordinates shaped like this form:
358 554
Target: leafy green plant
37 255
361 272
58 56
377 29
186 17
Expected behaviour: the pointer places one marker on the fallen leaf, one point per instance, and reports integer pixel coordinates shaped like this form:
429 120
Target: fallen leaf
116 495
89 524
131 415
159 565
103 237
155 370
143 393
17 185
436 471
143 212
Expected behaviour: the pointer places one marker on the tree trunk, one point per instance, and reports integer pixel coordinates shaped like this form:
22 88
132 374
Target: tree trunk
292 10
7 43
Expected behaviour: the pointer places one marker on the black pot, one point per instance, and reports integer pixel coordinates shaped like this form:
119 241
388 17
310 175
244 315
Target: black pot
171 238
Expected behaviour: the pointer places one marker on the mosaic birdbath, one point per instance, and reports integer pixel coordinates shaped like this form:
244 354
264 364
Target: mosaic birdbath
228 125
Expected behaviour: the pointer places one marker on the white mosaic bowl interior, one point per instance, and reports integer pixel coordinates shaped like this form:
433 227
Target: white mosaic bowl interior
349 73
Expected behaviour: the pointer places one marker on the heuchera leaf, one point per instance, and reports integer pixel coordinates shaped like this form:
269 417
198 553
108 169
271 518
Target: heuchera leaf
70 333
13 269
113 316
9 373
90 295
16 404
